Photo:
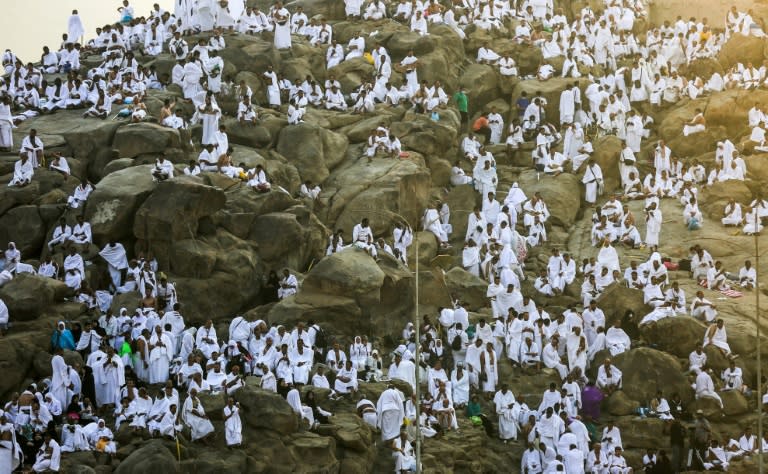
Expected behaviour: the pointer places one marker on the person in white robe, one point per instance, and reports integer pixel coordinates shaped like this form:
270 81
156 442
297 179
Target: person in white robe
609 377
110 379
716 336
616 340
195 418
138 410
732 213
60 383
593 181
161 351
73 438
305 413
550 358
22 172
117 261
288 285
705 387
233 426
702 308
508 411
390 413
210 114
496 124
48 456
696 125
281 19
460 386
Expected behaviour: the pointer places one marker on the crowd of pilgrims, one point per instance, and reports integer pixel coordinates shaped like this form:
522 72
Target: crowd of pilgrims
146 369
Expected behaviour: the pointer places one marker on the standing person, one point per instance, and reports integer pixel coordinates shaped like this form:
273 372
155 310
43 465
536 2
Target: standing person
6 124
282 19
462 103
10 451
110 380
390 413
60 383
233 426
75 29
677 441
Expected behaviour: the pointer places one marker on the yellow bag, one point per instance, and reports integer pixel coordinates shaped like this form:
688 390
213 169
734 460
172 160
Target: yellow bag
368 57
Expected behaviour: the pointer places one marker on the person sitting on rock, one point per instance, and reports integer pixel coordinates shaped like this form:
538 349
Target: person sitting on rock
22 172
609 377
258 180
163 169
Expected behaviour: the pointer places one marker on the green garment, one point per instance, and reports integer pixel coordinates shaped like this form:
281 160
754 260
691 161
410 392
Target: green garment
461 101
125 349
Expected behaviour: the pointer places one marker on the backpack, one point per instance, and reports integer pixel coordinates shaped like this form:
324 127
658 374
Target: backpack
456 343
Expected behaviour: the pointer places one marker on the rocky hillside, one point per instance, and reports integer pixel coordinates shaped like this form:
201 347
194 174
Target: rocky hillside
217 239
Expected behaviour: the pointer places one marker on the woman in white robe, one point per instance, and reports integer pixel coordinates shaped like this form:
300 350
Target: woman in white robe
294 400
233 426
194 416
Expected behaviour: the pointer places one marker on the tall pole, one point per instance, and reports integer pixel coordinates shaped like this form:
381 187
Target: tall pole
759 350
418 359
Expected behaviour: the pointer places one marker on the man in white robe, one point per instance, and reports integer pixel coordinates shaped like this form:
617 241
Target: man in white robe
194 416
117 261
110 380
161 351
60 383
508 411
288 285
593 181
22 172
390 413
705 387
609 377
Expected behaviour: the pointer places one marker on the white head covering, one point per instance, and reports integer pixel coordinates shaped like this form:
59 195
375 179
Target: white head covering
294 400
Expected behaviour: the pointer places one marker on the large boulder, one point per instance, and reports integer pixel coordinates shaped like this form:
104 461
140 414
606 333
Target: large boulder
301 237
558 192
145 138
348 293
312 149
266 410
173 212
482 84
677 335
742 49
27 296
645 370
351 273
713 199
383 191
24 226
113 204
606 155
15 358
152 457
